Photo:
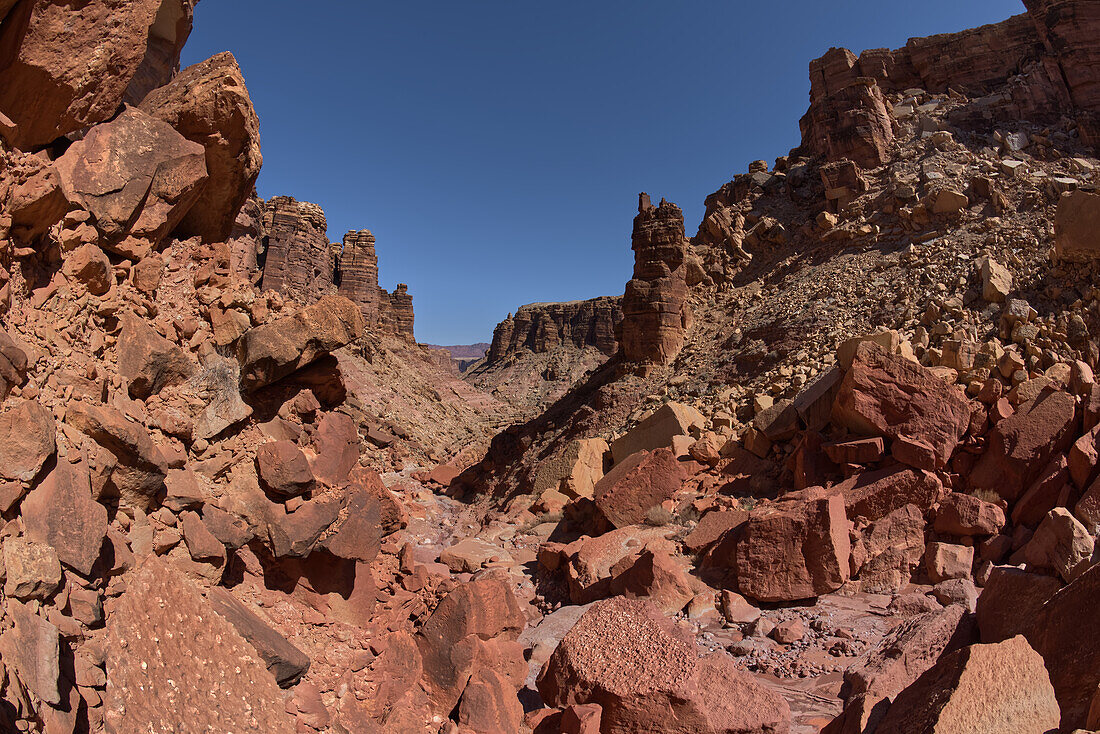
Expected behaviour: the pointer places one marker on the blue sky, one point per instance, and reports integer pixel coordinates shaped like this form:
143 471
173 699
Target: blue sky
496 147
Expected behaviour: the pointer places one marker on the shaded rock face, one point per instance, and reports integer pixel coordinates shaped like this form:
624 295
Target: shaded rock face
848 118
656 315
209 104
274 350
1068 29
67 66
541 327
298 260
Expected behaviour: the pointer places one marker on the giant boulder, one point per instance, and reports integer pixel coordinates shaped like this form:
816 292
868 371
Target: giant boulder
136 175
170 651
981 689
272 351
630 490
627 657
1020 446
797 548
147 361
65 66
208 104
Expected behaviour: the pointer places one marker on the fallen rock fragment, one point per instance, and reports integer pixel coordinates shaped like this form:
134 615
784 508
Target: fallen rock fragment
645 674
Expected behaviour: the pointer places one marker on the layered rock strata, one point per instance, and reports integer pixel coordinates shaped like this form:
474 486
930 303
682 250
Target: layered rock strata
540 327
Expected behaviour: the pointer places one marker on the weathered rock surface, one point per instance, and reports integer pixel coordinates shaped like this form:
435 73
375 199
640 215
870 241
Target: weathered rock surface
149 362
540 327
985 689
208 104
655 310
644 480
61 513
657 430
274 350
795 549
285 661
299 260
135 174
68 67
162 633
886 395
627 657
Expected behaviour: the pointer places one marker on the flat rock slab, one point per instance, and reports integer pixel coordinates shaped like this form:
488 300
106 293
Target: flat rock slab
174 660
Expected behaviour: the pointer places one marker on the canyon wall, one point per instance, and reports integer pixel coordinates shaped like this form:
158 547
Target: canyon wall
540 327
357 279
301 263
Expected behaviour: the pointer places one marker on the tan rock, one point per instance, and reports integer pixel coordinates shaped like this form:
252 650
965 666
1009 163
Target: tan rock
1076 225
982 689
657 430
948 561
1061 543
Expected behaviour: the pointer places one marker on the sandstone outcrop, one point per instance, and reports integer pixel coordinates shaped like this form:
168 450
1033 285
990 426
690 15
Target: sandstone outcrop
162 632
980 689
67 67
208 104
357 279
656 314
298 260
272 351
541 327
136 175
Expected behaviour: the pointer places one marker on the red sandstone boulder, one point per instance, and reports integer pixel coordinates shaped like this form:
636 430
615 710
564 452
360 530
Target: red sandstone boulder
285 661
469 629
646 675
797 548
67 67
1066 632
61 513
283 468
208 104
32 648
1019 447
634 486
335 450
138 476
1076 225
592 563
36 205
147 361
887 553
1062 544
89 265
13 365
908 651
489 704
947 561
274 350
657 577
981 689
358 536
876 494
162 632
887 395
962 514
135 174
26 441
1044 494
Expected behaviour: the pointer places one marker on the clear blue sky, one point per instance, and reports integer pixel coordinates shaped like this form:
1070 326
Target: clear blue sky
496 147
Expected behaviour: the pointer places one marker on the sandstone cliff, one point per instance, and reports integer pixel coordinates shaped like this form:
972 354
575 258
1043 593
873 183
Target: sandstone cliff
544 348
